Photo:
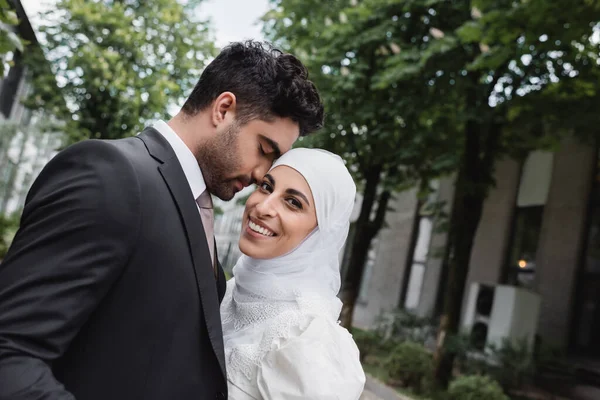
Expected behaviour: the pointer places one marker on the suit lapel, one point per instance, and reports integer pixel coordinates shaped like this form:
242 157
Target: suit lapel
174 177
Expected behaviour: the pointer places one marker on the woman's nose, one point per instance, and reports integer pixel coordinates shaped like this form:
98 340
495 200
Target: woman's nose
265 207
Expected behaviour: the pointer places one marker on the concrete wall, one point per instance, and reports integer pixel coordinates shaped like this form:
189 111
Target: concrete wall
493 235
386 277
562 238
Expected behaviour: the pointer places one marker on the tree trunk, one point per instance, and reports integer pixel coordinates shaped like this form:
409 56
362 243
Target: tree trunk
365 231
466 216
473 181
358 257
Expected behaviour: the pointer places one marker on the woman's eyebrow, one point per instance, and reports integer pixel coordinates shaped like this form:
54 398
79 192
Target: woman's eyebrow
299 194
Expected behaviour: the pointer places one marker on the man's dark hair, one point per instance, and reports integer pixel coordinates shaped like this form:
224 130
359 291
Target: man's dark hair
267 83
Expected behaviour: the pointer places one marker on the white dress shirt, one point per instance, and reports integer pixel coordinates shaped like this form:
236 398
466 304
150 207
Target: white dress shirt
186 158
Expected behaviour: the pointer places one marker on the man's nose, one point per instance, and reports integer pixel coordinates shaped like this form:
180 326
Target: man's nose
260 171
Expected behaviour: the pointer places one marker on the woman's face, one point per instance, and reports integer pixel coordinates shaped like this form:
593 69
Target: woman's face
279 215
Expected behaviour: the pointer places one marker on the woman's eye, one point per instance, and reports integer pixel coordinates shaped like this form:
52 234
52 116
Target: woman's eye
265 186
295 203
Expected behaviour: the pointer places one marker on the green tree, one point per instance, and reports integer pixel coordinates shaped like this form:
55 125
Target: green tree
387 143
521 75
9 40
117 64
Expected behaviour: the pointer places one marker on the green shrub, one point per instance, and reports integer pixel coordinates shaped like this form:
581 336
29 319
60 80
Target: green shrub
410 364
475 387
368 342
514 365
510 363
403 325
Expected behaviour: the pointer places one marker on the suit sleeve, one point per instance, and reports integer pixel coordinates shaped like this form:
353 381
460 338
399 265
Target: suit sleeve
78 228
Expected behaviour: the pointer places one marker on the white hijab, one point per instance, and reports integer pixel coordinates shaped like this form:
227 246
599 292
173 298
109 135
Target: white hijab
267 298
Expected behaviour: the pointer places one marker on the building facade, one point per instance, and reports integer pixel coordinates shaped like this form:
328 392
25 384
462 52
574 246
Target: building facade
540 230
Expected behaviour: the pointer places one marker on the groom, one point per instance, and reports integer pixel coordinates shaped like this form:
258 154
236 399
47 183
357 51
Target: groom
111 288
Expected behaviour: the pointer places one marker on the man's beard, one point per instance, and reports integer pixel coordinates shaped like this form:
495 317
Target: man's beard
218 158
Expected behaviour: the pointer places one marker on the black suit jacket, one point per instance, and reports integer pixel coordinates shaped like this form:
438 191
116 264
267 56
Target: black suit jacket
107 291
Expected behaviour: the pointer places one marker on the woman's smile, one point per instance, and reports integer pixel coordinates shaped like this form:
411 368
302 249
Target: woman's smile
256 229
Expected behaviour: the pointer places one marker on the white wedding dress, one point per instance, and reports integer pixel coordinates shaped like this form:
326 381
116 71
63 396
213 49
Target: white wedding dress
301 353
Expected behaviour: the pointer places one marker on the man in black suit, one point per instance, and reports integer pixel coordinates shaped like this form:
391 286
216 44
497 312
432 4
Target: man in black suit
110 289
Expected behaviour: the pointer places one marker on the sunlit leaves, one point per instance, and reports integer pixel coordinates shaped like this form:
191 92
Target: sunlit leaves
118 64
9 40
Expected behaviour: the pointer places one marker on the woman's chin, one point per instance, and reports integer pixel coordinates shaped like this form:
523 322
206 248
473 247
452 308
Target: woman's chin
250 248
258 251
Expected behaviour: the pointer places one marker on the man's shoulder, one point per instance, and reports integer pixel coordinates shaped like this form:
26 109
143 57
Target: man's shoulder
100 146
123 157
130 150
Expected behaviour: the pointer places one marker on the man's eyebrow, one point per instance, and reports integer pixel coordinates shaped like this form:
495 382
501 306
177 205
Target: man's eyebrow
270 178
273 144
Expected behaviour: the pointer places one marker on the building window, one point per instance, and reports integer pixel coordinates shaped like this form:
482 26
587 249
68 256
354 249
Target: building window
417 269
533 192
523 251
421 243
368 271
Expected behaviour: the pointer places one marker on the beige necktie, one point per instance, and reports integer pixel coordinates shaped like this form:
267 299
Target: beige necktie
208 220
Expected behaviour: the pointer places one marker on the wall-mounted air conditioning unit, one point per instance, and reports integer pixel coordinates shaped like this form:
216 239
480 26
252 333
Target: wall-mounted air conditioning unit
498 312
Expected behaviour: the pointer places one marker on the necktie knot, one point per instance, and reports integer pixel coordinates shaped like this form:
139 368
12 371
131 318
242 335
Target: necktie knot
205 204
204 200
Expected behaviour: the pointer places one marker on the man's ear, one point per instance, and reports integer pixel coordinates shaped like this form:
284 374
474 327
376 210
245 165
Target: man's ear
223 108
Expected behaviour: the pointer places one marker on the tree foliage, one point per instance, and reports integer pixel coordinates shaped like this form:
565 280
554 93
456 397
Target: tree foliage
416 87
387 143
117 63
8 228
9 40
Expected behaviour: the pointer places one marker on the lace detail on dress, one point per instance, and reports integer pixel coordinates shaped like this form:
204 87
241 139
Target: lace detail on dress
271 321
246 357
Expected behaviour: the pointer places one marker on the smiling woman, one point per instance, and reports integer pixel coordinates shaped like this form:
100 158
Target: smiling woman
280 311
278 215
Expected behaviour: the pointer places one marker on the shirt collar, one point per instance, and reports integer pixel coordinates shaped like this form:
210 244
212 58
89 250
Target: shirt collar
186 158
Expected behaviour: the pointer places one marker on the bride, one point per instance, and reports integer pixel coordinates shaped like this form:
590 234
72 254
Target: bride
282 339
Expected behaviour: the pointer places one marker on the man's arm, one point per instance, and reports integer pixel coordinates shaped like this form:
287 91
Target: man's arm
78 228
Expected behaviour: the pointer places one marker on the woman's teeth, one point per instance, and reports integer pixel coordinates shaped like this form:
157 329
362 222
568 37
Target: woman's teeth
259 229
